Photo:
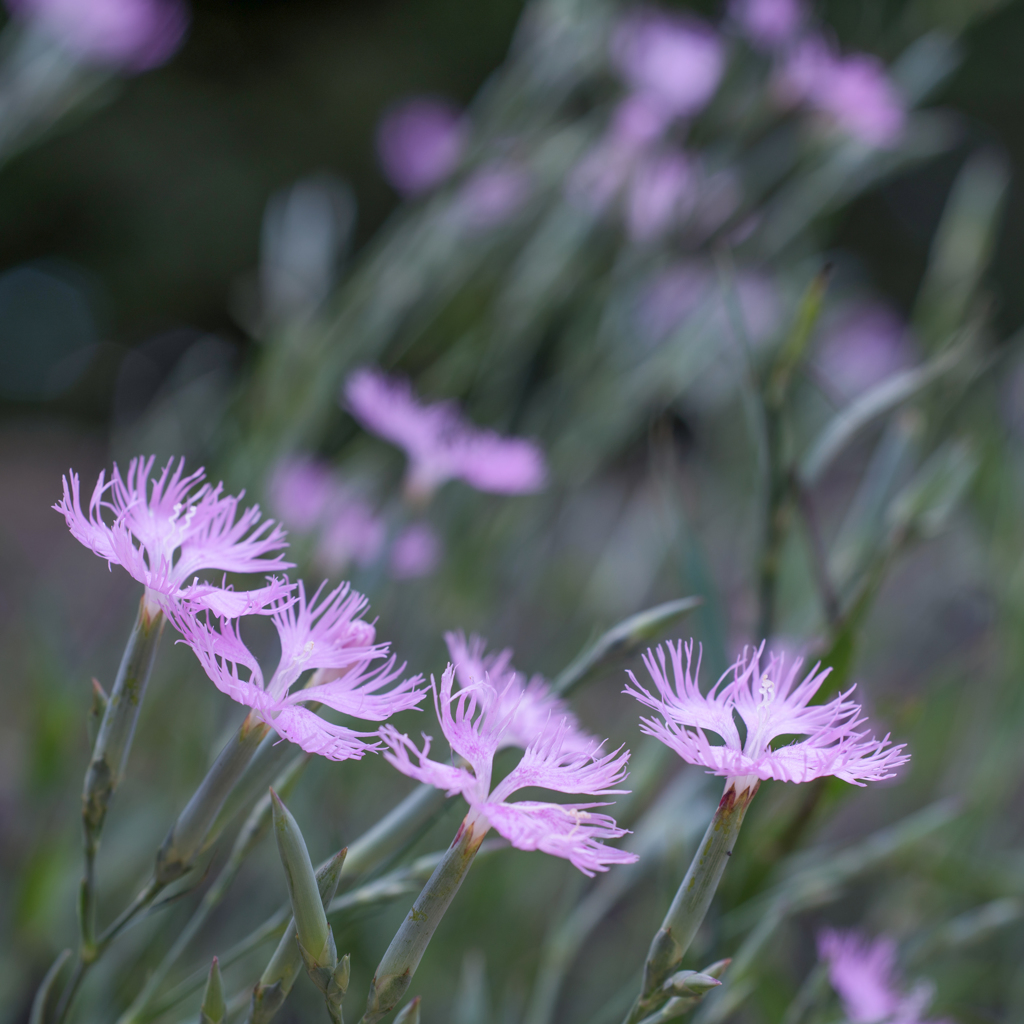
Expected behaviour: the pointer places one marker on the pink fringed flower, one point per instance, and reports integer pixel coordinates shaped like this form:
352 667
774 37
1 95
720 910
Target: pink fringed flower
531 708
415 553
419 143
440 444
165 530
134 35
678 61
326 634
476 726
770 702
864 975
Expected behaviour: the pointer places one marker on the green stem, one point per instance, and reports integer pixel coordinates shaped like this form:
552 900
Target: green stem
394 973
104 774
693 898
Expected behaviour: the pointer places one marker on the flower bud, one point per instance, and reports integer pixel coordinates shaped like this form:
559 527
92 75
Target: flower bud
410 1013
214 1008
690 983
314 934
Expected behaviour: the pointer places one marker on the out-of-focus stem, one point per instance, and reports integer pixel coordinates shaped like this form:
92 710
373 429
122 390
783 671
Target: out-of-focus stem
693 897
186 836
105 771
394 973
251 833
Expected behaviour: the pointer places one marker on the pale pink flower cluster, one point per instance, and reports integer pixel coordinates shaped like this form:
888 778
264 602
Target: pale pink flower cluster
770 701
325 633
672 65
476 720
439 443
420 142
310 497
131 35
863 973
166 529
852 91
532 708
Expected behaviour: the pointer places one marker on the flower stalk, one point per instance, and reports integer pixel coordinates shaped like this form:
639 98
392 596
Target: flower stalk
110 753
185 839
394 974
691 902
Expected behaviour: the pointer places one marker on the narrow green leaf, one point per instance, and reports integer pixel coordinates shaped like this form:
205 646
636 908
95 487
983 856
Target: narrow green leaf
46 994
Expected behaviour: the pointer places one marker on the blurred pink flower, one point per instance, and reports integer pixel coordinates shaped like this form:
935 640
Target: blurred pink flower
300 491
164 531
476 731
768 24
770 703
351 532
854 91
416 552
133 35
325 634
493 194
864 347
660 191
863 973
419 143
439 443
531 708
676 60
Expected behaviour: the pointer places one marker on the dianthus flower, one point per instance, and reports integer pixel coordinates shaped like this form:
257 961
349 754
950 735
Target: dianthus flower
531 708
166 530
863 973
326 634
476 724
675 60
134 35
419 143
439 443
770 702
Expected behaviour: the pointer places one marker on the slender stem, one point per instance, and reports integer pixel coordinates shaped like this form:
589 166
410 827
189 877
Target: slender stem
819 559
394 973
693 897
104 774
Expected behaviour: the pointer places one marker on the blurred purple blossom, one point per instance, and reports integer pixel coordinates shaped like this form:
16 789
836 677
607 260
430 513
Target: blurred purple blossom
768 24
864 347
661 190
419 143
770 702
492 194
439 443
415 553
350 532
675 60
132 35
863 973
855 92
324 633
164 531
532 709
475 726
300 490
